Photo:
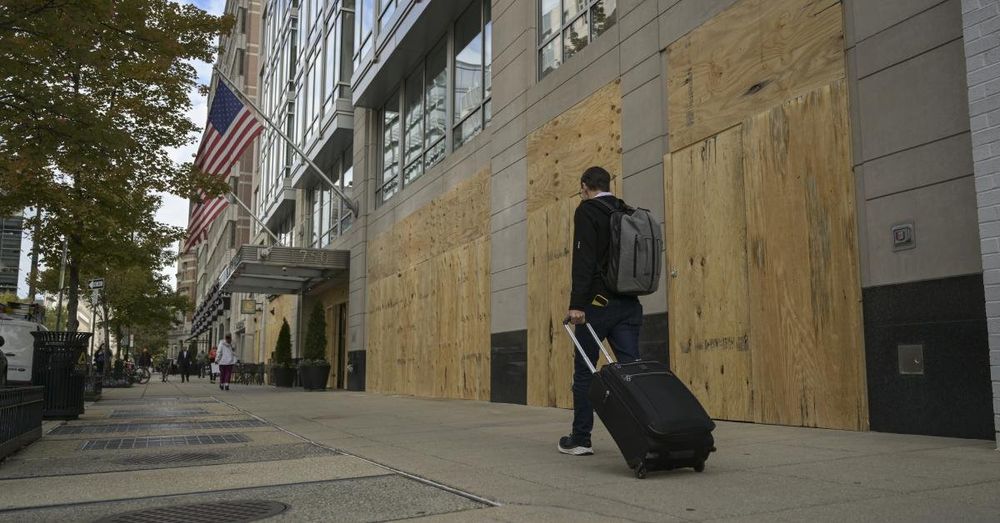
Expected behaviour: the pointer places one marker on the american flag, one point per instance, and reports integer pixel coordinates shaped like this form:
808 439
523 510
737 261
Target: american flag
231 127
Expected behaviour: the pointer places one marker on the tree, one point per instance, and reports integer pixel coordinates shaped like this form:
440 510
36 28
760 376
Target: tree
283 347
93 94
314 348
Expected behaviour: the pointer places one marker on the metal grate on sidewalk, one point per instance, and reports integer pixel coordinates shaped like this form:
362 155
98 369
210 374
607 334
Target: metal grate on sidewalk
156 413
162 441
65 430
228 511
175 457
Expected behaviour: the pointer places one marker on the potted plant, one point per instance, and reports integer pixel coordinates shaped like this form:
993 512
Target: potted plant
313 368
284 374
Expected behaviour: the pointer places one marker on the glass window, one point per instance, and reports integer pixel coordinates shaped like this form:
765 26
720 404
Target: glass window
346 51
330 76
362 40
549 20
348 175
390 147
602 16
488 50
435 98
315 89
413 122
388 8
468 62
575 37
564 32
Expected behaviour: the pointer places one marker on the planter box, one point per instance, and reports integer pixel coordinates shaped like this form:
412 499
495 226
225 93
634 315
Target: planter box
314 377
283 376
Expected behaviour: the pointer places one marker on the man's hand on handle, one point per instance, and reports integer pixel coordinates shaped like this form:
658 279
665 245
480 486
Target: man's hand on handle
576 317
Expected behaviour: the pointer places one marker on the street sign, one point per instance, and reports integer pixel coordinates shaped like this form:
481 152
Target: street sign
97 283
248 306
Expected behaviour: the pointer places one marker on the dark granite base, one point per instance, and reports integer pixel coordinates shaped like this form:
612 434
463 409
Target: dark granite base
953 396
356 377
509 367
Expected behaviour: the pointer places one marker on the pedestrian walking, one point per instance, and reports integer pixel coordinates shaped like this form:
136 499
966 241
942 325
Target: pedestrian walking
213 367
100 359
184 365
146 360
615 317
226 360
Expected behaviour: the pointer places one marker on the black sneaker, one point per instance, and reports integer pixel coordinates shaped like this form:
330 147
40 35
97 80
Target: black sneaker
573 447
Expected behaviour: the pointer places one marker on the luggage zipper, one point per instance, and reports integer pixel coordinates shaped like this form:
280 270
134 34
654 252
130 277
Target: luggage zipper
628 377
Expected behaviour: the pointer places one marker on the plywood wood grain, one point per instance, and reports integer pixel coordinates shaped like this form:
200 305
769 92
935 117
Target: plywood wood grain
803 269
709 319
747 59
587 134
428 299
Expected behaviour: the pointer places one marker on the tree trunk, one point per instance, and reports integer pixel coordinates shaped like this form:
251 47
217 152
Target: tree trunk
73 292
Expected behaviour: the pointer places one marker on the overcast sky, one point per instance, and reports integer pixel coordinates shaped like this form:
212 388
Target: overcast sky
175 209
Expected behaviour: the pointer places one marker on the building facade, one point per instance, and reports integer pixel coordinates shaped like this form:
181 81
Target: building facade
11 232
813 162
214 315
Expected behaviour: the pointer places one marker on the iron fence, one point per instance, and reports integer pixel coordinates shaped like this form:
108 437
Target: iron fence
20 417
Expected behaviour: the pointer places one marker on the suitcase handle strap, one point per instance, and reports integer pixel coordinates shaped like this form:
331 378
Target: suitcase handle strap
579 348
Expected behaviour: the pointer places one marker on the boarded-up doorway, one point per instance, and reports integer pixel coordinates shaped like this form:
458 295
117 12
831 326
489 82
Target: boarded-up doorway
764 291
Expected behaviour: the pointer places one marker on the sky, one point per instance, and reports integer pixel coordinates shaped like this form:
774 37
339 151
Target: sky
174 210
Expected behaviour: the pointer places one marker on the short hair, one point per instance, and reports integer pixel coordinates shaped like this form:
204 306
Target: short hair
596 179
229 335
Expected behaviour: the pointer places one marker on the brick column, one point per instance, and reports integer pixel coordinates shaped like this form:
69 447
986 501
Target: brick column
981 25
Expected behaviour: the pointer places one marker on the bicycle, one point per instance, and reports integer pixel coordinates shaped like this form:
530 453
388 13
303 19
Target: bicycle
136 374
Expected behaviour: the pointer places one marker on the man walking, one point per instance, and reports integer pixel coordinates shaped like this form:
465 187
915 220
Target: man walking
614 317
184 365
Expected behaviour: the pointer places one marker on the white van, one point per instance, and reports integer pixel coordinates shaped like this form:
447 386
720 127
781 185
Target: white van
18 346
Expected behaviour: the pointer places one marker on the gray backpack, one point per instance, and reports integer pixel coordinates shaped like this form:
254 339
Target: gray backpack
634 258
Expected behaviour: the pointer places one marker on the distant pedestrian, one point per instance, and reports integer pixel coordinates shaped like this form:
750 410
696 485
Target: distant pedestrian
146 360
213 367
226 360
184 365
100 359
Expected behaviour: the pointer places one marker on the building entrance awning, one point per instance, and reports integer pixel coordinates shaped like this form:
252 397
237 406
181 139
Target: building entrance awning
281 270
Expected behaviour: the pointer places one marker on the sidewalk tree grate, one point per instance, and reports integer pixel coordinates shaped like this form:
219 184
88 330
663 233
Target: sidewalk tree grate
156 413
162 441
176 457
216 512
65 430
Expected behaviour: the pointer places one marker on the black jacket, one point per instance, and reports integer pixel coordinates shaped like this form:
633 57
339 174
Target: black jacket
183 358
591 245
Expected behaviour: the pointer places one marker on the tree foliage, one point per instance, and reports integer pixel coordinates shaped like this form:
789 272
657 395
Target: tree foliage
93 95
314 348
283 347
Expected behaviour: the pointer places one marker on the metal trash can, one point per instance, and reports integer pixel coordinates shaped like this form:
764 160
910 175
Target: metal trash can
58 367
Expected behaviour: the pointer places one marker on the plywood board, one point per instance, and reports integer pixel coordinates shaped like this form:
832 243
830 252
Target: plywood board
429 301
805 313
709 316
747 59
558 152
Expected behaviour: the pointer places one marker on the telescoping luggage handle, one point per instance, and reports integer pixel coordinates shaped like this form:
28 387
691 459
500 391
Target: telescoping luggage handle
579 348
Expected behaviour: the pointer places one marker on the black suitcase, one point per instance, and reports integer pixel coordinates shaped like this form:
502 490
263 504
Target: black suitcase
652 416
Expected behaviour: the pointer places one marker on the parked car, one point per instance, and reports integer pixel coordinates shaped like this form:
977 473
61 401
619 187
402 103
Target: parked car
18 347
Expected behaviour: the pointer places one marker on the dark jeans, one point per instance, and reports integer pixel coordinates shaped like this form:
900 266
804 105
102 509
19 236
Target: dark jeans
619 323
185 373
225 372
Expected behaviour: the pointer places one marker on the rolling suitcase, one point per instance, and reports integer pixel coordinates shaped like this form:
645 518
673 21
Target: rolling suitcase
652 416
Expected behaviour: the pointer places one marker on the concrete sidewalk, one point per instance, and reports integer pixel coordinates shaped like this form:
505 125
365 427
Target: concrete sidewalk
477 455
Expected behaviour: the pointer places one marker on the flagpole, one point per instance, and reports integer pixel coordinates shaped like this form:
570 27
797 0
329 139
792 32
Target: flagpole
232 197
353 207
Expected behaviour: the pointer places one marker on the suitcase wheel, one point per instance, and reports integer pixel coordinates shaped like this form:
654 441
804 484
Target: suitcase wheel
700 467
640 471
